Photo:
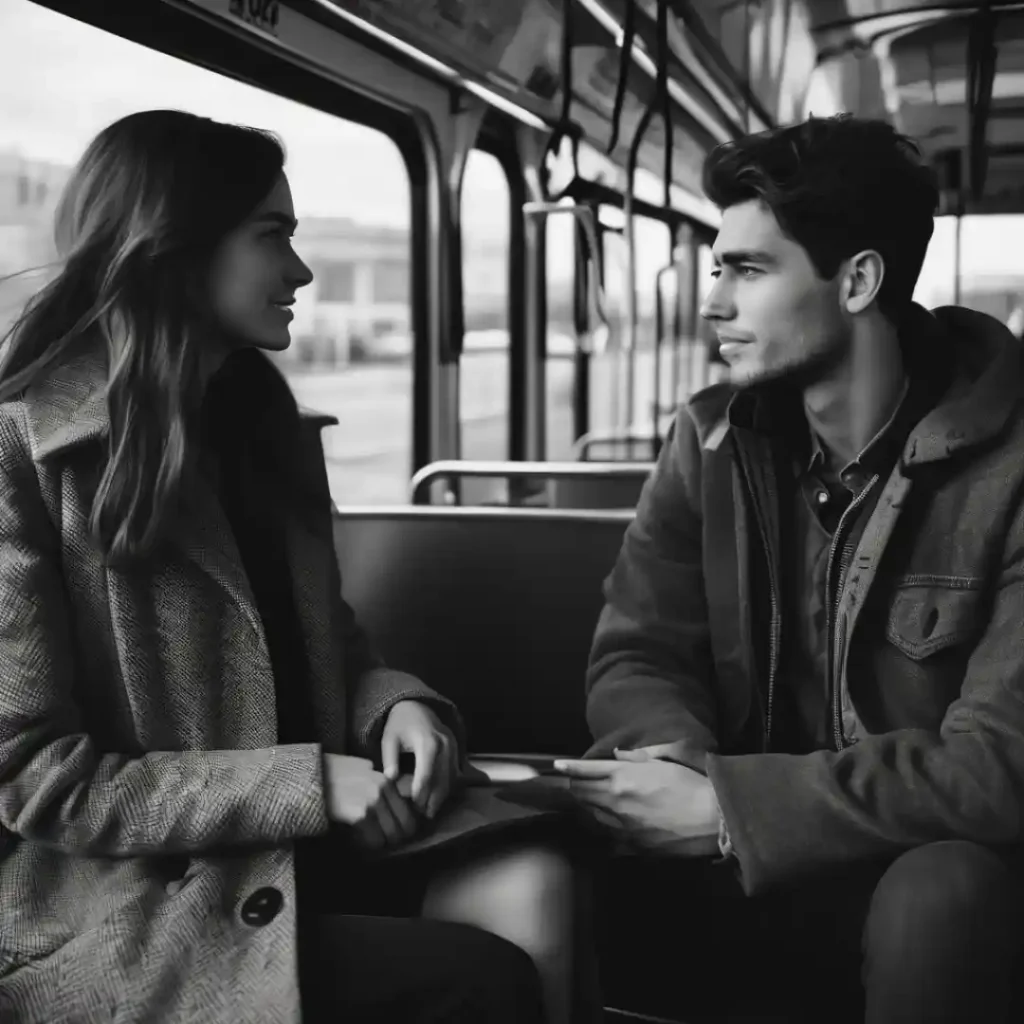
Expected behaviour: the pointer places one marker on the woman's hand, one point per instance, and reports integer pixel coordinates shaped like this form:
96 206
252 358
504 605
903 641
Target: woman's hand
366 800
412 727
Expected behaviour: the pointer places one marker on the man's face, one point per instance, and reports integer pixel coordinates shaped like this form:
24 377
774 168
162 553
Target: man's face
774 316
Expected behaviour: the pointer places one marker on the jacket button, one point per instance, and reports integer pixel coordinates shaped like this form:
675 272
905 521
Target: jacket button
262 906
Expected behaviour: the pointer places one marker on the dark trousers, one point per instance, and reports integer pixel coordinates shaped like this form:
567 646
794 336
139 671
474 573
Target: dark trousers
379 970
366 957
933 936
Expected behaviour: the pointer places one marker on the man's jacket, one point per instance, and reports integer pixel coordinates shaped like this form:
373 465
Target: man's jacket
927 636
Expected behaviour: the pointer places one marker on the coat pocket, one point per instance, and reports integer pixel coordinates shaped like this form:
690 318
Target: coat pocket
928 617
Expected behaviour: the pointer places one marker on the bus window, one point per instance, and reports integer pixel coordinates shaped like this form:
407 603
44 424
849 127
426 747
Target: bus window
607 367
652 246
991 279
609 400
351 339
484 369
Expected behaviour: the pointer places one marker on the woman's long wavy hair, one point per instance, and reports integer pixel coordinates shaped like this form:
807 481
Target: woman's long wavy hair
138 221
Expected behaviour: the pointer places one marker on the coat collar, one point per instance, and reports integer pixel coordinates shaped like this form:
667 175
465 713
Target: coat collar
68 407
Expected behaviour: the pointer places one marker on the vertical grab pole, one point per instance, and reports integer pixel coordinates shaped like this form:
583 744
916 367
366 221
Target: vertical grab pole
659 328
677 336
658 99
956 257
582 289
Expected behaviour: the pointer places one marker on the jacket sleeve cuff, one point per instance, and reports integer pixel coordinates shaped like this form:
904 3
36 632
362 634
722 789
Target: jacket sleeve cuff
379 691
743 851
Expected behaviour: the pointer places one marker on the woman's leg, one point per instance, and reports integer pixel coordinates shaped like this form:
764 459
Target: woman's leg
533 896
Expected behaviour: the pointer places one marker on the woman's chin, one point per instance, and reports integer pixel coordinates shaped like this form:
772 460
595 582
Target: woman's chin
271 341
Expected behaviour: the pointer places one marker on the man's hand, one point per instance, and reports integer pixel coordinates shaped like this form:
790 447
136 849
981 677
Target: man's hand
659 805
679 751
413 727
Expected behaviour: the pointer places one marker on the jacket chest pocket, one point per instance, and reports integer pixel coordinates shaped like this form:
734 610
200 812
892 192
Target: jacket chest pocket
927 618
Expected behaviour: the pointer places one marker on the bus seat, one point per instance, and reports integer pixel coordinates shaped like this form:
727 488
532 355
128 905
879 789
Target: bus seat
494 608
596 492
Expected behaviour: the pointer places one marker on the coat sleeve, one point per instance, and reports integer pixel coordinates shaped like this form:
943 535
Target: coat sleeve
651 675
790 815
57 788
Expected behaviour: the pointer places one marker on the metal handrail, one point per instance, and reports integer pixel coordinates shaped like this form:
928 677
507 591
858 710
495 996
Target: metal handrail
446 469
630 437
478 512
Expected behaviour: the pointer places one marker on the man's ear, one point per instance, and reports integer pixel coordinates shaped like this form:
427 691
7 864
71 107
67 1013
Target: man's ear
862 280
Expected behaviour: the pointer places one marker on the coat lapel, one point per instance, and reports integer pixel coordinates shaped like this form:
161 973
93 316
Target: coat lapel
205 538
67 410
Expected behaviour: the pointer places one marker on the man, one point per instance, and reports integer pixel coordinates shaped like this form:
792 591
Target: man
811 658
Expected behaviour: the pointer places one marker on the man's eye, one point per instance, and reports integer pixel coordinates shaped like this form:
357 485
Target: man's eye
749 271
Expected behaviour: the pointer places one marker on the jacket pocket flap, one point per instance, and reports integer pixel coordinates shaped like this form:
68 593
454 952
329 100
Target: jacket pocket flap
925 619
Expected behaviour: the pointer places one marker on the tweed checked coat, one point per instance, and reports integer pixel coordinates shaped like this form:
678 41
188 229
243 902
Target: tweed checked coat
146 811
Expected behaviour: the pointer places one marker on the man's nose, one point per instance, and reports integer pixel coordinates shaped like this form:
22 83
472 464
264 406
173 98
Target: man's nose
718 304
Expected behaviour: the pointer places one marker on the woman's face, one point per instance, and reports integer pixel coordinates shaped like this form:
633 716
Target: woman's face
255 273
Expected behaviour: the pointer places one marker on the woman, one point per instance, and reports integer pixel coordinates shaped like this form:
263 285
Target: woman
186 702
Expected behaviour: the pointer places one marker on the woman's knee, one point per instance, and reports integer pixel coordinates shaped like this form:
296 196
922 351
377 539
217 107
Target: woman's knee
533 868
521 884
525 895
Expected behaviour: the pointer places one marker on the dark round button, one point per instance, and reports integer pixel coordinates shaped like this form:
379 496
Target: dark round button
262 906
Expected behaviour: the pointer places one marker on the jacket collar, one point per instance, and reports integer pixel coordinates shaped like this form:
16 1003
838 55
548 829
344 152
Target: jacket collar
68 407
979 362
985 392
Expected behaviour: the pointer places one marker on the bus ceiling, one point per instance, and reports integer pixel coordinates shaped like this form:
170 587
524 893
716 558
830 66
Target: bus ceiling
949 74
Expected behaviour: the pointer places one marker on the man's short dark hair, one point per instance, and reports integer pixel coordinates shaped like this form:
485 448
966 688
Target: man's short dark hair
837 186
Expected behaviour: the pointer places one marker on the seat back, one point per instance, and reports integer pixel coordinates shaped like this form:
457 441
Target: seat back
596 492
495 608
